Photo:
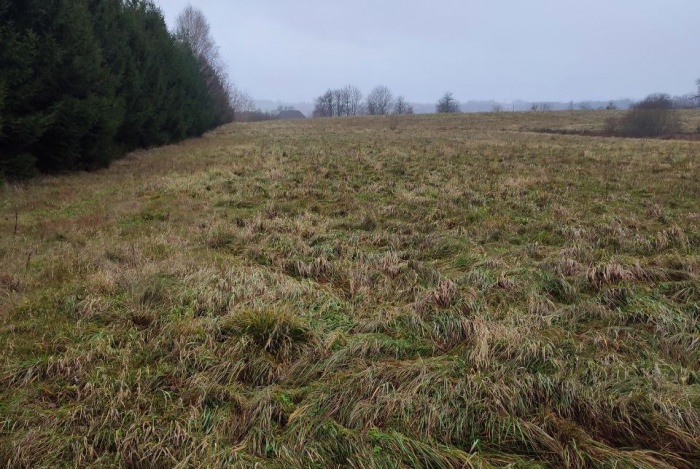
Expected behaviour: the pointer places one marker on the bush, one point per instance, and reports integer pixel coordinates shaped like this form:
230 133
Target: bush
612 125
447 104
652 117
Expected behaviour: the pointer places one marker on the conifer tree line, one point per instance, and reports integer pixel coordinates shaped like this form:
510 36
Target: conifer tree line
83 81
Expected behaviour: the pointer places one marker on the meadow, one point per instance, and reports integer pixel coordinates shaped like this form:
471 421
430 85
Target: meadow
375 292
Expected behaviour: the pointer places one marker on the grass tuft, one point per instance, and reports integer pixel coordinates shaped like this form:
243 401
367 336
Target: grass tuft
274 331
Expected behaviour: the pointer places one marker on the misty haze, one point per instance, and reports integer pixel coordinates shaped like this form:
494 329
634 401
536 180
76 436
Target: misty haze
538 51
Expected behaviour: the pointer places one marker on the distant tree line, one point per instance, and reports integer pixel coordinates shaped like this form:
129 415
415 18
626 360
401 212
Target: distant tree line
83 81
349 101
652 117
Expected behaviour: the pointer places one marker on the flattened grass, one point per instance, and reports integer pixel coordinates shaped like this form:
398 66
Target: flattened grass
430 291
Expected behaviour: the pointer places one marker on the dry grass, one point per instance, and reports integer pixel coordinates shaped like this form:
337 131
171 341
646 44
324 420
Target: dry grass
429 291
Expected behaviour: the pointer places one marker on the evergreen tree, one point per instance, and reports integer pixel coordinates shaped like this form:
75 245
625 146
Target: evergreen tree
82 81
23 115
83 110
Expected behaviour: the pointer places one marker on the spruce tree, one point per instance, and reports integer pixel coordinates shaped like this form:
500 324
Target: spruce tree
82 81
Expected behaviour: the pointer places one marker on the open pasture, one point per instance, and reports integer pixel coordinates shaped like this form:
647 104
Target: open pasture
422 291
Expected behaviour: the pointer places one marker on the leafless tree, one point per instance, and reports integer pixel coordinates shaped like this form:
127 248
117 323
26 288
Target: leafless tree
345 101
241 101
379 101
400 106
329 103
686 101
340 102
354 95
324 106
497 107
193 29
447 104
585 106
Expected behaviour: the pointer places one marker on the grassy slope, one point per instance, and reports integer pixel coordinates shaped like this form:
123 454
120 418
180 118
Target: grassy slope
429 291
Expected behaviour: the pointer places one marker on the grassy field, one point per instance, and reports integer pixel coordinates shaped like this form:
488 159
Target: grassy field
427 291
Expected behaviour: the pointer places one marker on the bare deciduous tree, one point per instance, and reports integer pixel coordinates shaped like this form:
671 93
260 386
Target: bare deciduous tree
379 101
447 104
241 101
401 106
193 29
324 105
344 101
339 102
686 101
355 100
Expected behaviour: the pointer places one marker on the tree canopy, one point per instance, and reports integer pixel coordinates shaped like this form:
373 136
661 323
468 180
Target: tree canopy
83 81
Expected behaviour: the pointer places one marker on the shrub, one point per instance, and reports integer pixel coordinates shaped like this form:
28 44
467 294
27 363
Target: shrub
652 117
447 104
612 125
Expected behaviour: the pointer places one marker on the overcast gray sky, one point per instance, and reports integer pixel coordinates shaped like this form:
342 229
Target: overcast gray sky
539 50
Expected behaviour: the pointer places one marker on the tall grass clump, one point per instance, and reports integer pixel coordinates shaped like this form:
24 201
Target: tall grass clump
277 332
